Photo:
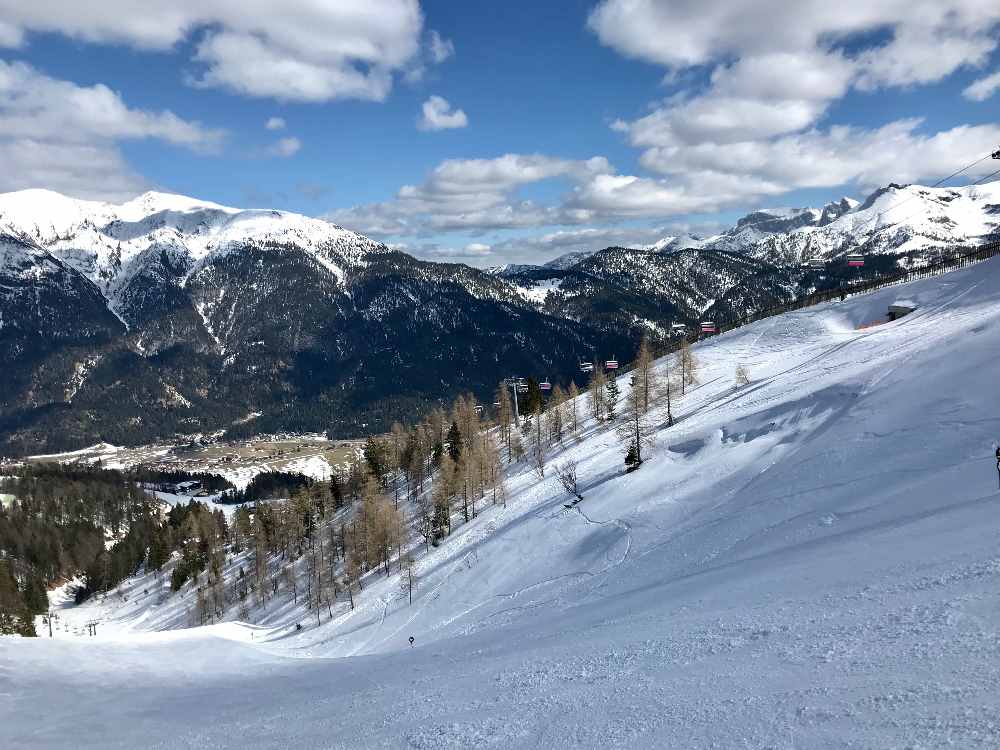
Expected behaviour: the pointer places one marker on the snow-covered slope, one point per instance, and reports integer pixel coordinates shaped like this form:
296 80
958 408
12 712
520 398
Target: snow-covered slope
807 561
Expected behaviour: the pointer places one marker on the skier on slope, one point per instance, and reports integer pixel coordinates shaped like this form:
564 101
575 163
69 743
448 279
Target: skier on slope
998 465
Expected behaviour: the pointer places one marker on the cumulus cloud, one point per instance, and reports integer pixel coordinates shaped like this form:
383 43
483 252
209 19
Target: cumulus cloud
82 170
439 48
543 247
983 89
831 157
296 50
63 136
776 67
275 123
682 34
473 194
437 114
756 128
285 147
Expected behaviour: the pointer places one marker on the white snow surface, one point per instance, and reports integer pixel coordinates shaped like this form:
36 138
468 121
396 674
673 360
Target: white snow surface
539 290
810 561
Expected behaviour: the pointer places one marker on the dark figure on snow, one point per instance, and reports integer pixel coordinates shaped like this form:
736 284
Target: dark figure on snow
998 467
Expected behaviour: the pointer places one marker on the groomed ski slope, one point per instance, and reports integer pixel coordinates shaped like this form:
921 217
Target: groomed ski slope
811 561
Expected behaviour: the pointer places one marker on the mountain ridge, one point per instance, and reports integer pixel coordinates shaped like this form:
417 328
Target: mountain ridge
167 315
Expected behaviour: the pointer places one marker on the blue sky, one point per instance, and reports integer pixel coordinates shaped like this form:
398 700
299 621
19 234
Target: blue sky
495 132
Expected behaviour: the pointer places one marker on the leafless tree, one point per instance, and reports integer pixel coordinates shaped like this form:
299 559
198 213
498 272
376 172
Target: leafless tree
742 376
567 475
409 576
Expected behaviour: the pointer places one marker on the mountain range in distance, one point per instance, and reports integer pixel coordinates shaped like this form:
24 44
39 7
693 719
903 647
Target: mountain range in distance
171 316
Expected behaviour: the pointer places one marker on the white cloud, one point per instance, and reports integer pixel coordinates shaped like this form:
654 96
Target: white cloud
275 123
10 36
285 147
295 50
62 136
682 34
473 194
437 114
983 89
777 66
756 128
613 197
82 170
36 106
832 157
439 48
474 253
927 48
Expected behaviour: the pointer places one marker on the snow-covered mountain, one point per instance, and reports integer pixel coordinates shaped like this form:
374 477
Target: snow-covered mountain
116 246
807 561
166 314
894 220
207 313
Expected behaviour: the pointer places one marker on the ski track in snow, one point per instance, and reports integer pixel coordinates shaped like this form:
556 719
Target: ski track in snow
810 561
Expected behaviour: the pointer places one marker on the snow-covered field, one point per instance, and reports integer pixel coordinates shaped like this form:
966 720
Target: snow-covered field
310 454
810 561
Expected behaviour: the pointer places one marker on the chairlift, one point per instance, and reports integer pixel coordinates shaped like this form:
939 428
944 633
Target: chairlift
479 408
496 404
611 364
855 260
678 328
817 263
707 326
545 385
586 367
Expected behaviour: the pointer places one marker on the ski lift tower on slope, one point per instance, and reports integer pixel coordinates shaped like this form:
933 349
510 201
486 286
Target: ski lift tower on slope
516 385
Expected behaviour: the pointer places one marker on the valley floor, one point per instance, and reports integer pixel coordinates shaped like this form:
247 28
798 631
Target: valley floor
810 561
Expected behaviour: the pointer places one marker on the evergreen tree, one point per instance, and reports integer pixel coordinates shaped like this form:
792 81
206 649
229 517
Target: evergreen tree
336 493
612 397
532 399
15 618
632 460
454 439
